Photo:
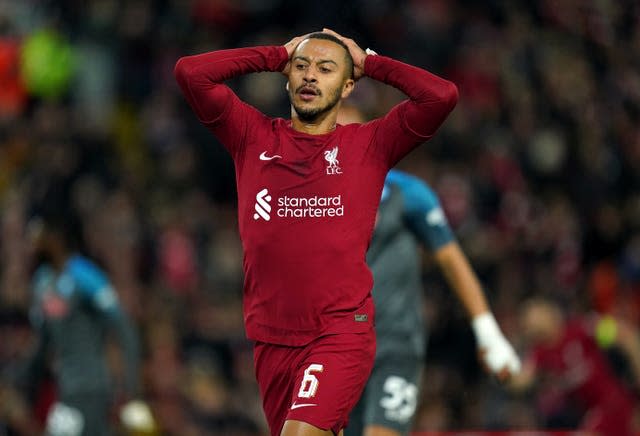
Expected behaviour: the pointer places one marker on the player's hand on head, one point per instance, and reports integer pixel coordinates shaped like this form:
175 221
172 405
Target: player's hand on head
357 53
496 353
291 47
293 43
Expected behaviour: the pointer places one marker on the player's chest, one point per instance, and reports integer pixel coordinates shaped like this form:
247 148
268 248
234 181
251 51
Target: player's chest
57 297
302 160
571 360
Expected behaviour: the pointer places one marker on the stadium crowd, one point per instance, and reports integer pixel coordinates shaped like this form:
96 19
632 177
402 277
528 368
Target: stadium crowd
538 170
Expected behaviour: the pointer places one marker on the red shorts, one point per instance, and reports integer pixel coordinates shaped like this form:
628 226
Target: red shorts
318 383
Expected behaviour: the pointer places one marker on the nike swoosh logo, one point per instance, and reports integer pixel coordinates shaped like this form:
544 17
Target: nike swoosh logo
296 406
263 156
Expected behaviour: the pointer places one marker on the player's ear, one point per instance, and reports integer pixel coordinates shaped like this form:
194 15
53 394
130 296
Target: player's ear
347 88
286 86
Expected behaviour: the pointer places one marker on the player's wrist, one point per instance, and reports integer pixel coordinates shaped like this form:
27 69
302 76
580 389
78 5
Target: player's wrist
497 351
485 328
368 63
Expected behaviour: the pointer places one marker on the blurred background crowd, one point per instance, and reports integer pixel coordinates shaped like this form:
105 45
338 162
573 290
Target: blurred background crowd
538 170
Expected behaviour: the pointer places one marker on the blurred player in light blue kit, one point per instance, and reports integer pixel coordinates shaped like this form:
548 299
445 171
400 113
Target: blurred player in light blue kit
409 216
74 308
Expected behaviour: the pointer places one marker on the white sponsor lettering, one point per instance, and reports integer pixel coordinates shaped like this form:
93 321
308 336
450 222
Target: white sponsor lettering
297 207
310 207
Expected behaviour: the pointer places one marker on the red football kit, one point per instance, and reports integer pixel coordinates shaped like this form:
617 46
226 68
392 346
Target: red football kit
577 369
307 205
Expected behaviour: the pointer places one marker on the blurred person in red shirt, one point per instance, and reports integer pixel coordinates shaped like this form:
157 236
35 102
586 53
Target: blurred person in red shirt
572 371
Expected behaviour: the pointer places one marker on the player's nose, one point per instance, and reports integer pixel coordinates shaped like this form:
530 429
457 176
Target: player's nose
310 76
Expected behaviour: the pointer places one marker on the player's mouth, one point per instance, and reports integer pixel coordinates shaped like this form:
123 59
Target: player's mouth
308 93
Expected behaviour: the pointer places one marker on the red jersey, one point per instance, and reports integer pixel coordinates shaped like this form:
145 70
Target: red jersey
307 203
579 369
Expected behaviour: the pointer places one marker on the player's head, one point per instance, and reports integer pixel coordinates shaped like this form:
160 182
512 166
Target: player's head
53 235
321 75
541 319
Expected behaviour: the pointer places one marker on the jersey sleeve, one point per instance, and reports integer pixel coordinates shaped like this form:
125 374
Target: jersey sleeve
201 79
127 337
96 288
422 210
93 284
31 372
415 120
42 280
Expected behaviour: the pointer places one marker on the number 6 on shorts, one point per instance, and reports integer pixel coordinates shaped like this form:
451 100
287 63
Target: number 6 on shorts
309 384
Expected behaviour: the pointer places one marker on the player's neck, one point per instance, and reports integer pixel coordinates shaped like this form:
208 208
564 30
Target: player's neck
59 262
59 257
317 126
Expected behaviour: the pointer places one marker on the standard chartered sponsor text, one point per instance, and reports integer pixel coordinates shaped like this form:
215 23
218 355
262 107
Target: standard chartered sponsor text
310 207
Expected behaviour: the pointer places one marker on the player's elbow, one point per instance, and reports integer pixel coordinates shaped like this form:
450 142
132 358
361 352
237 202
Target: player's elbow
448 95
182 70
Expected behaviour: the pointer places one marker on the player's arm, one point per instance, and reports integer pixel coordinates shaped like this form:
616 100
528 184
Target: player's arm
462 279
201 79
201 76
122 326
431 99
99 292
15 413
135 414
426 219
25 379
496 352
30 374
428 222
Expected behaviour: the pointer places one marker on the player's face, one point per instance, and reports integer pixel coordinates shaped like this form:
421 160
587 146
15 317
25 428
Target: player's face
36 234
318 78
540 322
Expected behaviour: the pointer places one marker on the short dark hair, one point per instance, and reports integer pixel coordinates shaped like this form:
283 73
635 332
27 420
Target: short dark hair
328 37
67 226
